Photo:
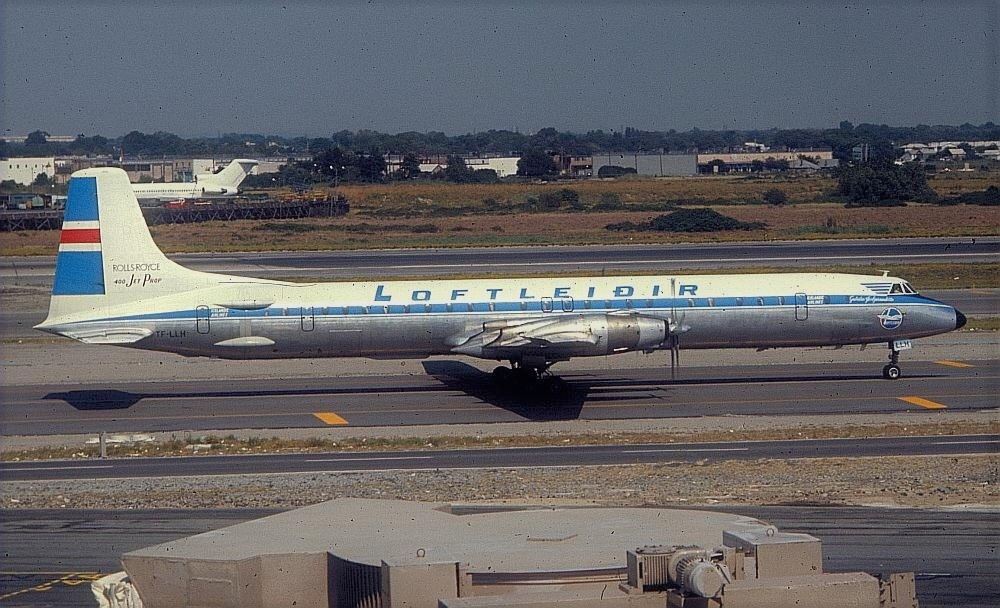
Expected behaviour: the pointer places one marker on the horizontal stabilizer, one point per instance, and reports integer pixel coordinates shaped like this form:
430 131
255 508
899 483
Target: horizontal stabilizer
118 335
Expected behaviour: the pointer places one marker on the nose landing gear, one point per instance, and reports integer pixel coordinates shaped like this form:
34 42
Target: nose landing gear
892 371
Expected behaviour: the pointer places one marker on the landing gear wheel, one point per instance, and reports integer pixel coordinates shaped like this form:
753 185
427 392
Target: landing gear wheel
502 374
552 385
891 372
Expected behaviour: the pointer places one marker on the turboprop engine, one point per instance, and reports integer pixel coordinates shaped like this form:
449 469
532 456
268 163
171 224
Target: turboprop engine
564 336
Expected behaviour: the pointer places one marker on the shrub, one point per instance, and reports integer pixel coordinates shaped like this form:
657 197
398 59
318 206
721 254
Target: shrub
689 220
988 197
774 196
883 185
614 171
609 201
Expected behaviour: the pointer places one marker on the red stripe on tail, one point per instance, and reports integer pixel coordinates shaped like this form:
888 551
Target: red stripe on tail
81 235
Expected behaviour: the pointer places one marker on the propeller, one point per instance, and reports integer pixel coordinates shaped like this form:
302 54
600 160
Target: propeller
675 354
674 328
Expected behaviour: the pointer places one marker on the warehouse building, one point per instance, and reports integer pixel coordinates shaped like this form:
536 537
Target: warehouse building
746 162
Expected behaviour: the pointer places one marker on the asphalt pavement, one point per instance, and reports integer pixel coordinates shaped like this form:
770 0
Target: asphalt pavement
50 556
599 259
454 392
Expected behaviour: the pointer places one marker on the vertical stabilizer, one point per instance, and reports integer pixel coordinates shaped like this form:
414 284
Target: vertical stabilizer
229 179
106 255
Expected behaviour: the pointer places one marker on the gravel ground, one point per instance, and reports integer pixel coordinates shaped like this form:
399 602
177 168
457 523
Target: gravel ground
896 481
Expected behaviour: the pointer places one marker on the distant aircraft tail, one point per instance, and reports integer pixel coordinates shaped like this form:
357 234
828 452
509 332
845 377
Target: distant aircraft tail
107 257
229 179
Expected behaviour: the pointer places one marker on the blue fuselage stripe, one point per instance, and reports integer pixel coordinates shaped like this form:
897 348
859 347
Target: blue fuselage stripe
549 305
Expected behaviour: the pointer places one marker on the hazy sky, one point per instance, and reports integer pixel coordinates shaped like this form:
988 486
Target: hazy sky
311 68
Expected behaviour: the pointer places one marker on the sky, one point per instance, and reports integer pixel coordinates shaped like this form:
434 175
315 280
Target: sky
314 68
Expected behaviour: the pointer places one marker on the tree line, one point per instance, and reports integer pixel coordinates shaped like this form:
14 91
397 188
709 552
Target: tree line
880 138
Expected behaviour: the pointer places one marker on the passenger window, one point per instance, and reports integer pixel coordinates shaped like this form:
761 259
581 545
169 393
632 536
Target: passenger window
739 301
690 303
760 301
711 301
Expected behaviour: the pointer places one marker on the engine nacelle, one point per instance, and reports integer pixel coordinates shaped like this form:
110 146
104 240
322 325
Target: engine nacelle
634 332
561 337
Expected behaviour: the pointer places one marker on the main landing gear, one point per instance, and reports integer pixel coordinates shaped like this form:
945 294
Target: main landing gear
525 378
892 371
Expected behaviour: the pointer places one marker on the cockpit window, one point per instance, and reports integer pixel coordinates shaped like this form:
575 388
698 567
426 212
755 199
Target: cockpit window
896 288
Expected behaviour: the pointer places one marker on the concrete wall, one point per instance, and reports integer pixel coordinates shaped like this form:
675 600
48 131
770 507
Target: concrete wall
656 165
267 581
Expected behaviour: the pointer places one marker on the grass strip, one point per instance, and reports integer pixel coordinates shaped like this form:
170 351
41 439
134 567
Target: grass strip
232 445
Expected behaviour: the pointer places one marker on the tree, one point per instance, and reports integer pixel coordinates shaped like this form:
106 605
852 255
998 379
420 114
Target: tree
882 184
410 167
458 172
37 138
536 163
774 196
42 179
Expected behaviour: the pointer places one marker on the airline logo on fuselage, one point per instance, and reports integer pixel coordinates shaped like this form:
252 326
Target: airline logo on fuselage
891 318
383 293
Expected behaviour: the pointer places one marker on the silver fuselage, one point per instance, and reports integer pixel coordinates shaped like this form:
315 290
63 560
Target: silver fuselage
312 327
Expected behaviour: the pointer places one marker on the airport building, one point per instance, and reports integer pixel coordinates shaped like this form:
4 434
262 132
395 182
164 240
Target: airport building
24 170
745 162
503 165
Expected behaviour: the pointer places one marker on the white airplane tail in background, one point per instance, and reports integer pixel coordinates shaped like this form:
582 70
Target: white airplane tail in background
107 257
229 179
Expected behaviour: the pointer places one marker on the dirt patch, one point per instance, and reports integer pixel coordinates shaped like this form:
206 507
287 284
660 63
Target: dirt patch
906 481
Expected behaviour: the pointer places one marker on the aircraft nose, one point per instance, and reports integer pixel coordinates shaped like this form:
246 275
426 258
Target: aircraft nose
960 319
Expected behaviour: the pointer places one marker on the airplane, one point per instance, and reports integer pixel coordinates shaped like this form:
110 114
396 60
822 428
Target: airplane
114 286
224 183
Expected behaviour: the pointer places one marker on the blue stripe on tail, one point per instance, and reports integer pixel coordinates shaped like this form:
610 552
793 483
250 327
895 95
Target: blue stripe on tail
79 273
81 201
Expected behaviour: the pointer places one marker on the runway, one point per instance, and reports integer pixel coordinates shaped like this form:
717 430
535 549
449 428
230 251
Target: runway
453 392
598 259
50 555
501 458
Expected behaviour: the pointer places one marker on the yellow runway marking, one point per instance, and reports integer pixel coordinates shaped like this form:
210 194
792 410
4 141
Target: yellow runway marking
330 418
954 364
70 579
924 403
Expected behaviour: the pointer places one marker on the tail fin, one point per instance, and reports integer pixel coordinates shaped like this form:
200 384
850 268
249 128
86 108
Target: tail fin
229 179
106 255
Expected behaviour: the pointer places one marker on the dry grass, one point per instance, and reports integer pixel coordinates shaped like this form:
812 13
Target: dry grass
216 445
379 217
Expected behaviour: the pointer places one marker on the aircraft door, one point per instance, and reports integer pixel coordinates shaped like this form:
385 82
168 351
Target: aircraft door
202 318
801 307
307 318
